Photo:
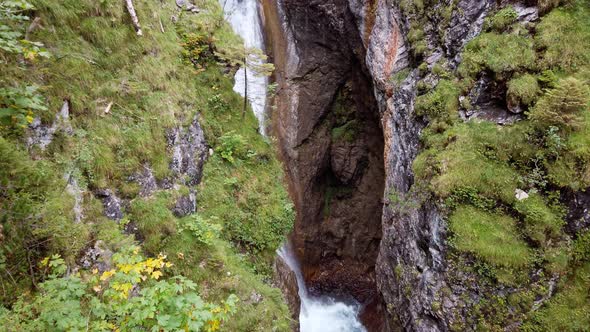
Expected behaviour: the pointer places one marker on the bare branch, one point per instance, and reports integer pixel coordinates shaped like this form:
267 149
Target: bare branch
134 19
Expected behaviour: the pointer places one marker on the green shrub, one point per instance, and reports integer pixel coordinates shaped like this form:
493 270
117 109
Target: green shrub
442 103
581 248
19 105
93 301
502 19
561 107
492 237
231 145
204 231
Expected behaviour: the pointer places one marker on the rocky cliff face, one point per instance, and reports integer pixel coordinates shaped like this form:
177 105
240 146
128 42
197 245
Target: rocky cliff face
338 57
328 125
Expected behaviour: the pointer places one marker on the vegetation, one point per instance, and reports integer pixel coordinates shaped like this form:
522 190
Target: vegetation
126 93
104 301
479 170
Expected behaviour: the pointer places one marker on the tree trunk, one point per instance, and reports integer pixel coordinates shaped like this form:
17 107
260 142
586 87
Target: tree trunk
133 15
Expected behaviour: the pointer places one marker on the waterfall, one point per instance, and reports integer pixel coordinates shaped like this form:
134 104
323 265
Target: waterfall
321 314
243 16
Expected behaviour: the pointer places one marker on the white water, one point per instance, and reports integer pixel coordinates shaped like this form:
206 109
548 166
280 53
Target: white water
243 16
321 314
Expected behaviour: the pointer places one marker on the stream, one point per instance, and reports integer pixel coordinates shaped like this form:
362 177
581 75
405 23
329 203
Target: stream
321 314
317 314
243 16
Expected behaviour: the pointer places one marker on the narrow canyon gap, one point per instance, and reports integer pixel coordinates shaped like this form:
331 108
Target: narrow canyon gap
331 141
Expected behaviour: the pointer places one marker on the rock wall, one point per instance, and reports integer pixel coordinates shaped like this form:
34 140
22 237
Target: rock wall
331 142
345 52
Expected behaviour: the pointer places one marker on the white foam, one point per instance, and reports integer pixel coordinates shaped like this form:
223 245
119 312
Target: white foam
321 314
243 16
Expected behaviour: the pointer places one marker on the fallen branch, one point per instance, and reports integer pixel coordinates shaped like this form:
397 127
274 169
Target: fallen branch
133 15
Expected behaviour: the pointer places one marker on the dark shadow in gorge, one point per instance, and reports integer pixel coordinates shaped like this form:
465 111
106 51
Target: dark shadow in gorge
331 142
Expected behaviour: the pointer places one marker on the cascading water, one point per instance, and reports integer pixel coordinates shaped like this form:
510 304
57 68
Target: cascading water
321 314
243 16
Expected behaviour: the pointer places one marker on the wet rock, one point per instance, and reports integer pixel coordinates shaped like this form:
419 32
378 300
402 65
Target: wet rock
526 14
466 23
187 5
41 135
74 189
112 204
488 103
578 216
286 280
185 205
97 257
189 152
255 298
347 161
146 180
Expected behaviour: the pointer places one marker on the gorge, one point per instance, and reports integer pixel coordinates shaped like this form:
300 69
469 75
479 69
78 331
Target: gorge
406 165
349 125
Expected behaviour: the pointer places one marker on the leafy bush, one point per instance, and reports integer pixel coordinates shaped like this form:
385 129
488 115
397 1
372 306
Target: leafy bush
18 105
197 49
11 41
126 298
231 145
204 231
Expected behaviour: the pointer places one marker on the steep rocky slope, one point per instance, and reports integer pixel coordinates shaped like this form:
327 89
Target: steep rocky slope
430 84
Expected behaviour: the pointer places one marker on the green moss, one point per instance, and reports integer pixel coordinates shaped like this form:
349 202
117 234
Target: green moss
523 90
491 237
347 132
464 164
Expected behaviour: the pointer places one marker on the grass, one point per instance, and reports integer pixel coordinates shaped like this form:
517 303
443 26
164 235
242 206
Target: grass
491 237
568 309
98 60
499 53
523 90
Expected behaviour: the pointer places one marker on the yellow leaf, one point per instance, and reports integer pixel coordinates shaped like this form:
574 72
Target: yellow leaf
107 274
94 271
29 119
45 261
156 275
